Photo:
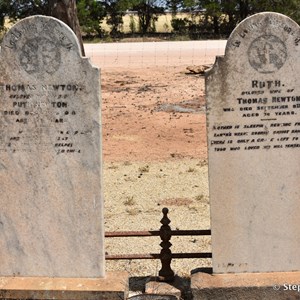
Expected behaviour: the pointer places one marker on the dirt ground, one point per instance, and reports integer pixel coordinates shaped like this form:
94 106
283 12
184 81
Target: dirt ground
155 156
153 115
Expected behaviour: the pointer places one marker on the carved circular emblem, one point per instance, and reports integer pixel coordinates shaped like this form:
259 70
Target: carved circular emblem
40 55
267 54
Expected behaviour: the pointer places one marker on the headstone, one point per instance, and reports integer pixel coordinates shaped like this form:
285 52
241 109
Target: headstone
253 110
51 220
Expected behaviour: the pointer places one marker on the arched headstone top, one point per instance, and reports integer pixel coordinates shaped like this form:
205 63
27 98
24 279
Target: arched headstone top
267 39
40 45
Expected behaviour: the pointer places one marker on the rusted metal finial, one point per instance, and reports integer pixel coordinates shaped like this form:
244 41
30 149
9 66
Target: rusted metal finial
165 232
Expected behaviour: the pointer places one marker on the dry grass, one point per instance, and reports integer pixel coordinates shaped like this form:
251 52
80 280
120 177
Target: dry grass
129 201
144 169
191 170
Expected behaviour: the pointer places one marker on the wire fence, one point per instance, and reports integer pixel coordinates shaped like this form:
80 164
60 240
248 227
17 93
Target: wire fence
148 54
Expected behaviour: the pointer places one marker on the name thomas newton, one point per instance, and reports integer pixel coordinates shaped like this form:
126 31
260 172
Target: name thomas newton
29 96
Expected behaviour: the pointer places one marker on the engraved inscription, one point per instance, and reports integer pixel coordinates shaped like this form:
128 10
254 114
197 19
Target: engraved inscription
40 55
255 136
262 109
267 54
39 117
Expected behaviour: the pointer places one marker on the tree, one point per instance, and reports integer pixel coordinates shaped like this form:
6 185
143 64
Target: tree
223 15
66 11
191 5
220 16
292 10
287 7
148 12
174 5
20 9
213 10
90 15
229 11
3 10
244 9
115 10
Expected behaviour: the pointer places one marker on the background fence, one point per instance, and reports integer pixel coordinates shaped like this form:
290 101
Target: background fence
146 54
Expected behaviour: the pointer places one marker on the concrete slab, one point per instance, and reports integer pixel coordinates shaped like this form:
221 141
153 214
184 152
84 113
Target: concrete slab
113 287
243 286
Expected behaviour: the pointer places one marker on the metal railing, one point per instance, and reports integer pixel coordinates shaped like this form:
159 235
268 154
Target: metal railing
166 273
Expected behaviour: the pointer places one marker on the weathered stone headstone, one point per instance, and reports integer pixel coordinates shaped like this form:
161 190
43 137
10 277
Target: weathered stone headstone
51 220
253 119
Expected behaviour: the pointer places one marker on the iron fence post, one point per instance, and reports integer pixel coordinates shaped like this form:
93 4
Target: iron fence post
166 273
